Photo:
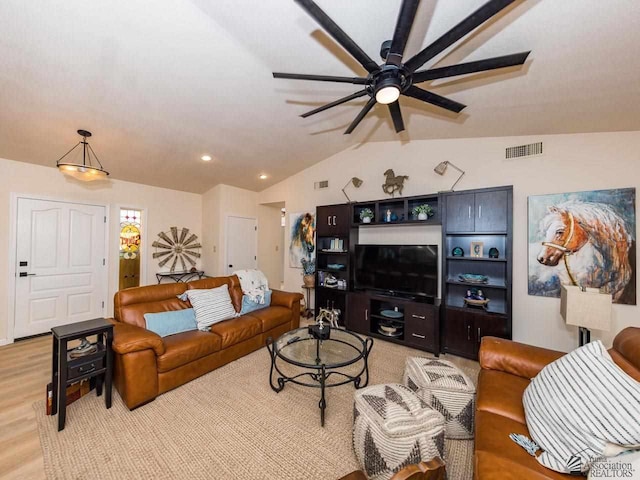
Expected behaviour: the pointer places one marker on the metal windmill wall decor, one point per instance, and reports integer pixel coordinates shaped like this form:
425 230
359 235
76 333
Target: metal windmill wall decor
176 245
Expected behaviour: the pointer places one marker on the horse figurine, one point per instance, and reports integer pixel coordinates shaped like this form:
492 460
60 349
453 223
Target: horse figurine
393 184
597 241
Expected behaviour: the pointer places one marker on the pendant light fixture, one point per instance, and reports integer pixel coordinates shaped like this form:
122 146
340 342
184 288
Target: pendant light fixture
85 171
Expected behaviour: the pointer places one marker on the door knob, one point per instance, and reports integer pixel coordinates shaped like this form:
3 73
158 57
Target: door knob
25 274
230 266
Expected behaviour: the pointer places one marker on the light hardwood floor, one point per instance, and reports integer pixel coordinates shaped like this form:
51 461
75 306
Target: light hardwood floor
25 370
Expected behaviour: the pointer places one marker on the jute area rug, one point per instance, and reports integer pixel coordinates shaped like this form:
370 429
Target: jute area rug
228 424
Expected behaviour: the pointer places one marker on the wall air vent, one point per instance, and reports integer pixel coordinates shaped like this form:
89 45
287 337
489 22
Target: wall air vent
524 150
321 184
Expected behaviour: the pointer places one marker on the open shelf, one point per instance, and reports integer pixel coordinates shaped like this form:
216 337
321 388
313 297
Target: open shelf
397 211
477 259
452 281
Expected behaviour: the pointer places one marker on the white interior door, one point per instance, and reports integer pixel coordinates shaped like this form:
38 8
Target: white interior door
60 273
242 243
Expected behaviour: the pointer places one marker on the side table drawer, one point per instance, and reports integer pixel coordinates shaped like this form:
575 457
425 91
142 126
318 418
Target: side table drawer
81 369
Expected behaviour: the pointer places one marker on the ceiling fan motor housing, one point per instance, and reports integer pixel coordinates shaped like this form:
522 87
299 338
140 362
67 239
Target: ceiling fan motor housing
390 76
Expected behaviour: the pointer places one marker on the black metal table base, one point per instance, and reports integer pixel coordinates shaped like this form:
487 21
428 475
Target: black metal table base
320 376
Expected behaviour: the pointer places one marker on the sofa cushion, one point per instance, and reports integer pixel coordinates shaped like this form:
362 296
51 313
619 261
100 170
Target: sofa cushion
501 393
170 323
186 347
237 330
211 305
232 281
497 456
249 305
271 317
131 304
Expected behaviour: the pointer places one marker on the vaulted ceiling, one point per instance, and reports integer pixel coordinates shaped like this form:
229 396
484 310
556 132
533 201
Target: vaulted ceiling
162 82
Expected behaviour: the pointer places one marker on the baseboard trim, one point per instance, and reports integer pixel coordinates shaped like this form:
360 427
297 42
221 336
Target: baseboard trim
4 341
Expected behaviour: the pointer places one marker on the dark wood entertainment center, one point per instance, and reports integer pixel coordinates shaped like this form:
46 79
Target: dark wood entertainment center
443 325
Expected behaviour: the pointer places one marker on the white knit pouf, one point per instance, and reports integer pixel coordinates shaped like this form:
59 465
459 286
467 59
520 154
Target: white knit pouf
392 428
445 388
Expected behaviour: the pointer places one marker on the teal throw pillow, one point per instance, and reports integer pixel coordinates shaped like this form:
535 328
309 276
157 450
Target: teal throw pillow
249 305
170 323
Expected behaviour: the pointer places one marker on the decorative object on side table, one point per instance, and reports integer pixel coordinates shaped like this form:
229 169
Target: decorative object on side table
393 183
586 308
494 252
366 215
422 212
457 252
477 249
475 298
177 245
308 272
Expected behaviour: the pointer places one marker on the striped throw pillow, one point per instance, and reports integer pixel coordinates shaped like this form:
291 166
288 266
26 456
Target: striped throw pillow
581 408
211 306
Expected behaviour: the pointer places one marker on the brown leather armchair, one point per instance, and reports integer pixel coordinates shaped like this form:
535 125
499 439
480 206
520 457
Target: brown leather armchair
507 368
147 365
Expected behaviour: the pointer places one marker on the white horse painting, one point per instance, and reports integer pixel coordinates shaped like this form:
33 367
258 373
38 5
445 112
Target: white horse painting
583 243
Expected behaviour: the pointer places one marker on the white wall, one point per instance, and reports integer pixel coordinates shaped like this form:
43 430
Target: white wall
570 163
270 244
162 208
219 203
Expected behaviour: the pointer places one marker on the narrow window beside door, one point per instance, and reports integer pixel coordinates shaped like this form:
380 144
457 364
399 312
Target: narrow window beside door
130 243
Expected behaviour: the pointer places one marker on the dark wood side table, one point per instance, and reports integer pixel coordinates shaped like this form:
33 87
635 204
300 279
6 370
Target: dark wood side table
308 311
179 277
67 370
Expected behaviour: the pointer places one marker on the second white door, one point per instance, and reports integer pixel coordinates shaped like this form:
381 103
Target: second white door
242 243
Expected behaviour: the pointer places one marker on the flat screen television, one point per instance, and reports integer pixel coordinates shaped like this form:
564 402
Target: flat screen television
397 269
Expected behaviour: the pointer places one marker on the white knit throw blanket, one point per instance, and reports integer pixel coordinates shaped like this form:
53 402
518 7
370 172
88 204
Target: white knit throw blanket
254 284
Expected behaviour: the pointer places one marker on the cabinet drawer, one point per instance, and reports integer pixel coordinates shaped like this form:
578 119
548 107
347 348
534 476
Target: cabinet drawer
420 329
83 368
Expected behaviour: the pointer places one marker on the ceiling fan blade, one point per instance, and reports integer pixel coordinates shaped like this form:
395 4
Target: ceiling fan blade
396 116
361 115
474 20
321 78
434 99
342 100
338 34
403 28
471 67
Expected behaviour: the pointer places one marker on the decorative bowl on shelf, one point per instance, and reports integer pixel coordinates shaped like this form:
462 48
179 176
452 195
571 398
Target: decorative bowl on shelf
391 314
473 278
388 329
335 266
476 303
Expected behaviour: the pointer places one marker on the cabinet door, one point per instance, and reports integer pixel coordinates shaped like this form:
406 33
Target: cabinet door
489 326
491 211
341 219
460 212
357 318
420 326
459 337
324 221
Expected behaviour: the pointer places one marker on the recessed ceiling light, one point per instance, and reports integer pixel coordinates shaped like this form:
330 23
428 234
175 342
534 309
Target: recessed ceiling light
263 177
206 158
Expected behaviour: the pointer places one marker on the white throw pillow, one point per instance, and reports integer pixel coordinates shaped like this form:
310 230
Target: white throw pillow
211 305
581 405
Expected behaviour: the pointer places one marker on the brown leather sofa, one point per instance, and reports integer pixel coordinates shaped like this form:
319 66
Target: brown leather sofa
147 365
507 368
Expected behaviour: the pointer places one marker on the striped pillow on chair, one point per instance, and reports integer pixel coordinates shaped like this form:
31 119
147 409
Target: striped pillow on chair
211 305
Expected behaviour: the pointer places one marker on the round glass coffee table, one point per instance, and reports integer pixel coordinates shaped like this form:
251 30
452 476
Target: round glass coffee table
322 353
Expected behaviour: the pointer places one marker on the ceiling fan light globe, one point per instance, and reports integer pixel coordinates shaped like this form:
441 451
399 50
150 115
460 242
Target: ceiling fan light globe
387 95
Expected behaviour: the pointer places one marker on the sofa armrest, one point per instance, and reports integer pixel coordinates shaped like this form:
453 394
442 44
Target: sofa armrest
285 299
129 338
515 358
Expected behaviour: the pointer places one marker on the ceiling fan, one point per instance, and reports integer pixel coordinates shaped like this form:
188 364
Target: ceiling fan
385 83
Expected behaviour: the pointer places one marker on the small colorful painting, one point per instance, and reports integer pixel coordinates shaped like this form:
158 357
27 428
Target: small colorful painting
586 239
303 241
